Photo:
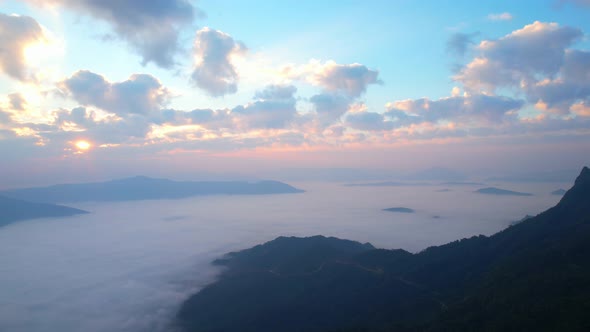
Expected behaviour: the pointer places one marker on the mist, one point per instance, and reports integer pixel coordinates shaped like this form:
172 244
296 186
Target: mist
127 266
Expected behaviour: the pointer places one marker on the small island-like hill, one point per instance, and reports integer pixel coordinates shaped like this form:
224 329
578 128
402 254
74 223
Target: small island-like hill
501 192
400 210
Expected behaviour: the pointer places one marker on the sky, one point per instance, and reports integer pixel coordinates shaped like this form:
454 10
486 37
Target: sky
95 89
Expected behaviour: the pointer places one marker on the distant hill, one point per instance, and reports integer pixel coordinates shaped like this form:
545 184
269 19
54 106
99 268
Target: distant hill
533 276
387 184
498 191
567 175
400 209
461 183
142 188
12 210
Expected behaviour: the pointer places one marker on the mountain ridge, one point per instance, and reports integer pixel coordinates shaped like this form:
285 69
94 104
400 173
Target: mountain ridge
143 188
534 275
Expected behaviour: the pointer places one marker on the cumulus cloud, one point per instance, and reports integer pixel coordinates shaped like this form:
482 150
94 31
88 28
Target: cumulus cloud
16 34
329 106
140 94
480 109
70 125
536 61
571 86
214 71
17 101
5 118
500 17
519 57
151 28
351 80
274 107
275 110
341 85
368 121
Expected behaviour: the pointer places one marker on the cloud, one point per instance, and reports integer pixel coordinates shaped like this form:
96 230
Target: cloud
273 92
480 109
500 17
140 94
214 71
330 106
5 118
151 28
459 42
16 34
17 101
535 61
81 122
351 80
274 107
571 86
368 121
518 58
274 111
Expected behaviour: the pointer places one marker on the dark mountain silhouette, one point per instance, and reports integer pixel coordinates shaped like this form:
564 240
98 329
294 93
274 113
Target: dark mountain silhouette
503 192
142 188
532 276
12 210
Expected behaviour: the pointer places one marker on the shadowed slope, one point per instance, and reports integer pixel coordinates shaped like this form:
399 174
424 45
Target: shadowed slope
532 276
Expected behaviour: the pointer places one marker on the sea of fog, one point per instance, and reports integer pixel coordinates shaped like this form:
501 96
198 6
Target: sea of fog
128 266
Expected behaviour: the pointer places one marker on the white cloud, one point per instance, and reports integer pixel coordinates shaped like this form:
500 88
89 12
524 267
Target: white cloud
214 71
140 94
351 79
519 57
151 28
16 34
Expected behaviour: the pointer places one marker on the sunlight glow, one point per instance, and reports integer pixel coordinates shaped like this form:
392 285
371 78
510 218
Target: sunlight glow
83 145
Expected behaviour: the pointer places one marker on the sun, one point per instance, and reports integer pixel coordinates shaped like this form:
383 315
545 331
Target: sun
82 145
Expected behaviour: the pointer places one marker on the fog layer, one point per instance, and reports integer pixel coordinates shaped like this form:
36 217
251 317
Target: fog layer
127 266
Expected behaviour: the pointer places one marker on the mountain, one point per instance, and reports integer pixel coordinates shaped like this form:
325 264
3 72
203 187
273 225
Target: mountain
142 188
532 276
559 192
12 210
503 192
387 184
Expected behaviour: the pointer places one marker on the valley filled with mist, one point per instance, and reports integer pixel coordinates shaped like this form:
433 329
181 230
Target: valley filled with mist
128 266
